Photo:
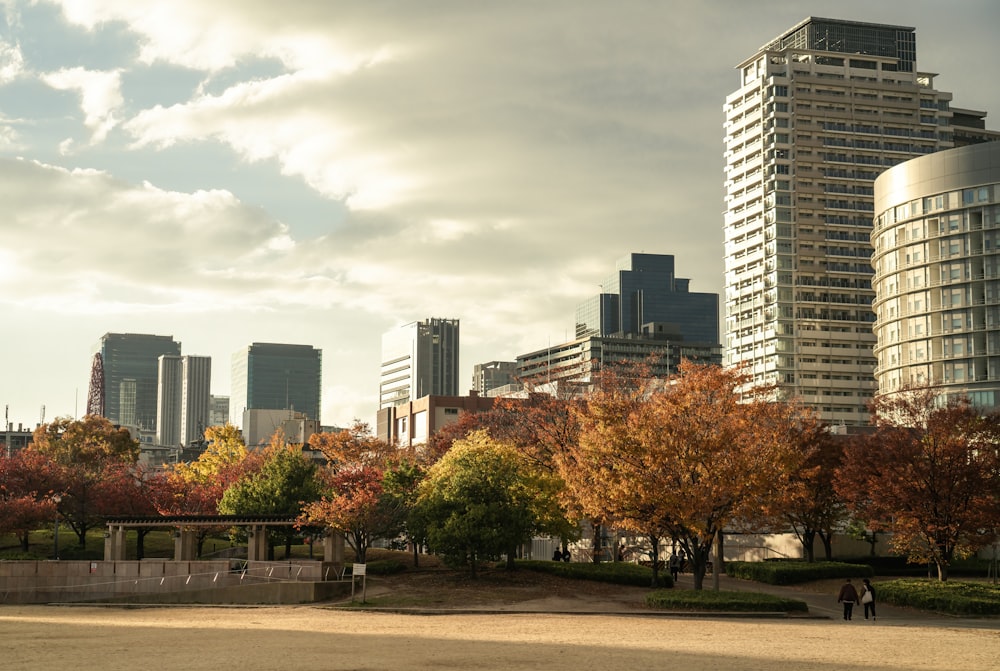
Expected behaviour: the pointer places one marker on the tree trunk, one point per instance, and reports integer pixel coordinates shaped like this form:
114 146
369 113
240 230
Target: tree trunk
942 571
25 540
511 555
699 560
416 555
595 545
655 542
808 539
140 543
827 545
717 566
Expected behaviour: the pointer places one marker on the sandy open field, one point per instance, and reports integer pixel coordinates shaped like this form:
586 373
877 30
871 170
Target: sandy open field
193 638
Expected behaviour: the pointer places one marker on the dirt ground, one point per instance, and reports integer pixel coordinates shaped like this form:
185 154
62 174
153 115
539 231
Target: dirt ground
524 622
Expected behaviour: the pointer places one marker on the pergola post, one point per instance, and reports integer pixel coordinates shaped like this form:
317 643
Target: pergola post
257 543
114 543
333 547
185 545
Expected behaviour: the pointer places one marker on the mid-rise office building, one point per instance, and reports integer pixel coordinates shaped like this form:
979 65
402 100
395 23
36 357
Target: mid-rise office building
128 384
820 112
272 376
219 411
643 289
489 376
183 399
419 359
937 273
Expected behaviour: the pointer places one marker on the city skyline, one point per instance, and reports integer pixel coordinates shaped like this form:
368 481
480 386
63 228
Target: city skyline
247 172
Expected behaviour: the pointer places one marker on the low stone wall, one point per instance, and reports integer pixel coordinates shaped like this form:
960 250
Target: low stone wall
72 581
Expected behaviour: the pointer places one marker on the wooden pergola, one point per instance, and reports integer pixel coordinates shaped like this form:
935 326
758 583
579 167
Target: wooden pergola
186 530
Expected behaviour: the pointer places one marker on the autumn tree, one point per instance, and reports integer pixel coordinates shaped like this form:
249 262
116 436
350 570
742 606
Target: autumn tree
364 502
353 447
928 474
27 483
482 499
92 458
683 457
810 504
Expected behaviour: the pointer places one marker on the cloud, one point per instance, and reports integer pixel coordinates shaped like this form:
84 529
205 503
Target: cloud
11 62
100 96
113 246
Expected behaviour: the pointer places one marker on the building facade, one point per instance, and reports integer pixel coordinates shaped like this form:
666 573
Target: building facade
274 376
130 364
412 423
820 112
644 288
183 399
570 368
489 376
937 273
419 359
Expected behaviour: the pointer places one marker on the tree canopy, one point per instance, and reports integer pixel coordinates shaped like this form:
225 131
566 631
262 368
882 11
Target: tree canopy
929 474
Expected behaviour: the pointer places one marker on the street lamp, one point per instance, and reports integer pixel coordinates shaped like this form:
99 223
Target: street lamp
56 498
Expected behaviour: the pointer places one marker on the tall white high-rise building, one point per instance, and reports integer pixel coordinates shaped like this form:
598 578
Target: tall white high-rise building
820 112
183 399
419 359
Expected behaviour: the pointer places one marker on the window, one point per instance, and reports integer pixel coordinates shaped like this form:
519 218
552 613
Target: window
451 411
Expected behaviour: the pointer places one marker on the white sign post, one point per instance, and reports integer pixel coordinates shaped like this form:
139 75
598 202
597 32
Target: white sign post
359 570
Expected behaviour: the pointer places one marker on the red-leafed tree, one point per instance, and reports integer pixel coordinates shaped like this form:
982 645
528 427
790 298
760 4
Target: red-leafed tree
357 504
93 457
27 481
929 474
353 446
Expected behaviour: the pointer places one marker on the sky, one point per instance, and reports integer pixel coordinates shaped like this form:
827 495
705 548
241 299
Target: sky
320 172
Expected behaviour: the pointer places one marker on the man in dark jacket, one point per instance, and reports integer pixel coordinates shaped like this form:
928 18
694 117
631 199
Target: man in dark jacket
848 596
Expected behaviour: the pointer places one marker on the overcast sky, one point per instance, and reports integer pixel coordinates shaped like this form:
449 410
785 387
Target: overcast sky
319 172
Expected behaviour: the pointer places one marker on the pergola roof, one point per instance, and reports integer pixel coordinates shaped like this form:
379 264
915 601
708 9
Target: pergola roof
201 520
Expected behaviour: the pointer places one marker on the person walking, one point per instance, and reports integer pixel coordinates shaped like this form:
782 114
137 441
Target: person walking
848 596
675 566
868 598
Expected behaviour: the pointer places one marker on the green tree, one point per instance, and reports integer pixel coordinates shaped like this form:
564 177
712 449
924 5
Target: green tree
286 481
481 499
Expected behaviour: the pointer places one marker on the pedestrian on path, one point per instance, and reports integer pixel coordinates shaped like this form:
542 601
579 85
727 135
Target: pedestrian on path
848 596
868 598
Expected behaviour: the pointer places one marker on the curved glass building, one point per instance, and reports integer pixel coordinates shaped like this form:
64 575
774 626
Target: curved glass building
937 273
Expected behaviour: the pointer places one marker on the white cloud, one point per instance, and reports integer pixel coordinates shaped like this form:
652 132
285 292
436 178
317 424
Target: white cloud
100 97
11 62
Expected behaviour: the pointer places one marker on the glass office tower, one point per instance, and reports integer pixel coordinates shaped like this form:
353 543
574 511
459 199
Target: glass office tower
272 376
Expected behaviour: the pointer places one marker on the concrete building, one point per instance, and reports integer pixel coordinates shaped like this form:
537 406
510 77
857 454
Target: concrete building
272 376
820 112
218 414
569 368
412 423
489 376
129 384
183 399
260 425
937 273
644 288
419 359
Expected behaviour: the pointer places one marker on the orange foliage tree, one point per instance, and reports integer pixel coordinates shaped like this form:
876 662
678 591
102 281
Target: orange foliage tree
682 457
810 504
930 475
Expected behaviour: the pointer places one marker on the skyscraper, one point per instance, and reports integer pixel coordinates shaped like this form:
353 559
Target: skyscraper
129 362
270 376
183 399
820 111
419 359
645 289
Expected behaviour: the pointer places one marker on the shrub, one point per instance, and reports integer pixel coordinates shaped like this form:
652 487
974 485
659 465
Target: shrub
384 567
742 602
953 598
618 573
794 572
